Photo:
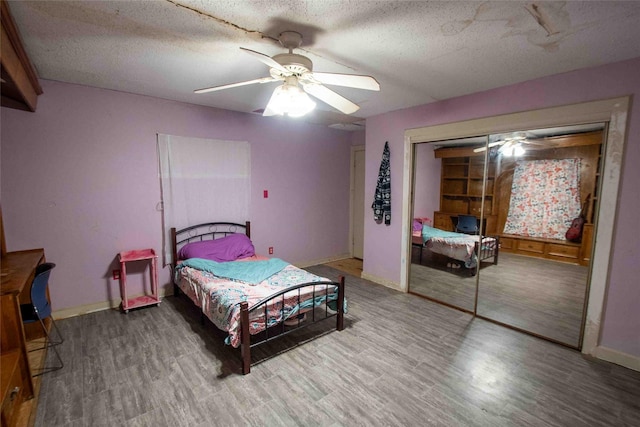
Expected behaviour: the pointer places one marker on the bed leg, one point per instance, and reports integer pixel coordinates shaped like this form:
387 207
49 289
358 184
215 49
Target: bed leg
497 252
340 316
245 346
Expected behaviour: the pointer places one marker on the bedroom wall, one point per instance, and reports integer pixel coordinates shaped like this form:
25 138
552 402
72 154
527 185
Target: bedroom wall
79 178
427 182
358 137
621 321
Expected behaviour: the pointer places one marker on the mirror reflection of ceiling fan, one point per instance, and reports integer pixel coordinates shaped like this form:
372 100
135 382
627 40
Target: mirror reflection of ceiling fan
295 71
511 144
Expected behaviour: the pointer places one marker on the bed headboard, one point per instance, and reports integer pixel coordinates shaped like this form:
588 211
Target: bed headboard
206 231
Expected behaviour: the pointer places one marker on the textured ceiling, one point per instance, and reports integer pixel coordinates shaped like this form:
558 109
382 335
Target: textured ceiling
419 51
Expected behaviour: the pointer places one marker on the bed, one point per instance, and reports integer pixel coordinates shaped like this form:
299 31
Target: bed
461 250
252 298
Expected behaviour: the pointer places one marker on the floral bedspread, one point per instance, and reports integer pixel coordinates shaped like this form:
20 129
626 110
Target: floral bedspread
219 298
545 197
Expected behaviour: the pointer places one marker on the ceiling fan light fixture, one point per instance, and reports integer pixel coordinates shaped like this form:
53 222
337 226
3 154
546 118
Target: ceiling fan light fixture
518 150
289 99
507 151
515 150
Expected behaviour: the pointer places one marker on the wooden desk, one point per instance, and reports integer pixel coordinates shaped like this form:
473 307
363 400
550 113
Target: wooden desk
17 273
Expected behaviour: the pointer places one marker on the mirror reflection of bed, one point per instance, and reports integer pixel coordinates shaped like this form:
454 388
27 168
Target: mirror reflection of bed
540 283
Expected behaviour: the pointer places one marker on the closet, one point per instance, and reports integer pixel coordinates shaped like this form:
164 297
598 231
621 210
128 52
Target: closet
540 284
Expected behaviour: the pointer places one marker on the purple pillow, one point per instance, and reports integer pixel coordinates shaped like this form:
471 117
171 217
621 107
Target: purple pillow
417 225
229 248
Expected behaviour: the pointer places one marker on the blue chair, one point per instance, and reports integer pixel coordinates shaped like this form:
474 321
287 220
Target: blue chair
39 309
467 224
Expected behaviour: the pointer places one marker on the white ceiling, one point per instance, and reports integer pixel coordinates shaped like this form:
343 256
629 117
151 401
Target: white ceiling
419 51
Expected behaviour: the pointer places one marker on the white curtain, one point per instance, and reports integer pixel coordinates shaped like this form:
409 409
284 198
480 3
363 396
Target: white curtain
202 180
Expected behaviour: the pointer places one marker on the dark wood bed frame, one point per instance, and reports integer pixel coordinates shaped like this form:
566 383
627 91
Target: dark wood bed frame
215 230
482 253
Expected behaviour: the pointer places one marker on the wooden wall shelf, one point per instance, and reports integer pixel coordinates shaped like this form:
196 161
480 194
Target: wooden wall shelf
20 86
461 187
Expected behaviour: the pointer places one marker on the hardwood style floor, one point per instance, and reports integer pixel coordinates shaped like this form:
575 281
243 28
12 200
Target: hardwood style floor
352 266
542 296
401 361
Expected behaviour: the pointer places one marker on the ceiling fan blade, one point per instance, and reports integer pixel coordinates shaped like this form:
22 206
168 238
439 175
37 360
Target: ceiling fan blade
269 110
507 145
330 97
347 80
484 147
248 82
533 142
267 60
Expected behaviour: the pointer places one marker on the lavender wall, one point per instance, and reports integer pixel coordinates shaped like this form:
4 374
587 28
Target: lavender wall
358 137
79 178
382 251
427 182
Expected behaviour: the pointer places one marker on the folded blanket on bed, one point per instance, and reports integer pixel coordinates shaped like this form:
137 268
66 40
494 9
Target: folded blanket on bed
252 272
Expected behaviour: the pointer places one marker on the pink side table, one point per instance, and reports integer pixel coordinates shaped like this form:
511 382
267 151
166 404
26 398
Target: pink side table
143 300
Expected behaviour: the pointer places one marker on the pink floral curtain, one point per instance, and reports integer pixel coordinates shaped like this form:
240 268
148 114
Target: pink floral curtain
545 197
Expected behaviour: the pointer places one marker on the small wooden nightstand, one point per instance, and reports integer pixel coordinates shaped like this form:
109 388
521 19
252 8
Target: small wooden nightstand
142 300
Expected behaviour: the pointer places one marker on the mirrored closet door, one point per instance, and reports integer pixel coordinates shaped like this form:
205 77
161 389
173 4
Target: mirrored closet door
507 201
552 181
447 206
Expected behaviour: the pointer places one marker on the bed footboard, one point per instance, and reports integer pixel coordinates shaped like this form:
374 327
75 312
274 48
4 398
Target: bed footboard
486 251
321 298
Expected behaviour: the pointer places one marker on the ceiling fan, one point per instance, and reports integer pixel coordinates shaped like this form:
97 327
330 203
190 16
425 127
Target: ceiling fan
511 144
295 71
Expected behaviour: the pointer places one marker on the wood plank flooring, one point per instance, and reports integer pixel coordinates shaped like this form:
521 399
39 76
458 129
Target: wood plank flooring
542 296
401 361
352 266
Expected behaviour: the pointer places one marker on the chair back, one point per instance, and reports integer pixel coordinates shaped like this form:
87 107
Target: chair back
39 289
467 224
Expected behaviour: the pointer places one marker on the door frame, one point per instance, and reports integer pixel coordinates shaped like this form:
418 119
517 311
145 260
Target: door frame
352 192
614 111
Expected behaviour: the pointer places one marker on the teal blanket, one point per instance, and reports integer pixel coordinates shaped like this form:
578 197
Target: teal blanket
252 272
429 232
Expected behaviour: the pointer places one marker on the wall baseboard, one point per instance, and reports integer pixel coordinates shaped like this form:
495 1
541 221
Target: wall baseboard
619 358
381 281
100 306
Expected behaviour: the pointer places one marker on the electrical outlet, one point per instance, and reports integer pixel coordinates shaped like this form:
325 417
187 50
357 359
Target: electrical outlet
116 274
270 250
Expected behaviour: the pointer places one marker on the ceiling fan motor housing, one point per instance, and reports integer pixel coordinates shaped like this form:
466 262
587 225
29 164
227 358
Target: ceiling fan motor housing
296 64
290 39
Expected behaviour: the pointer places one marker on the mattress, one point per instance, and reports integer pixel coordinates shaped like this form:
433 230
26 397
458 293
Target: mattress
219 298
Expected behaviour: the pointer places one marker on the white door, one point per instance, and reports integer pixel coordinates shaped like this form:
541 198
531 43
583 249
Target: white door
357 203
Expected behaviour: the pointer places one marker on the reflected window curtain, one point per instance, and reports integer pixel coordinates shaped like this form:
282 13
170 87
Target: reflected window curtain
202 180
545 197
